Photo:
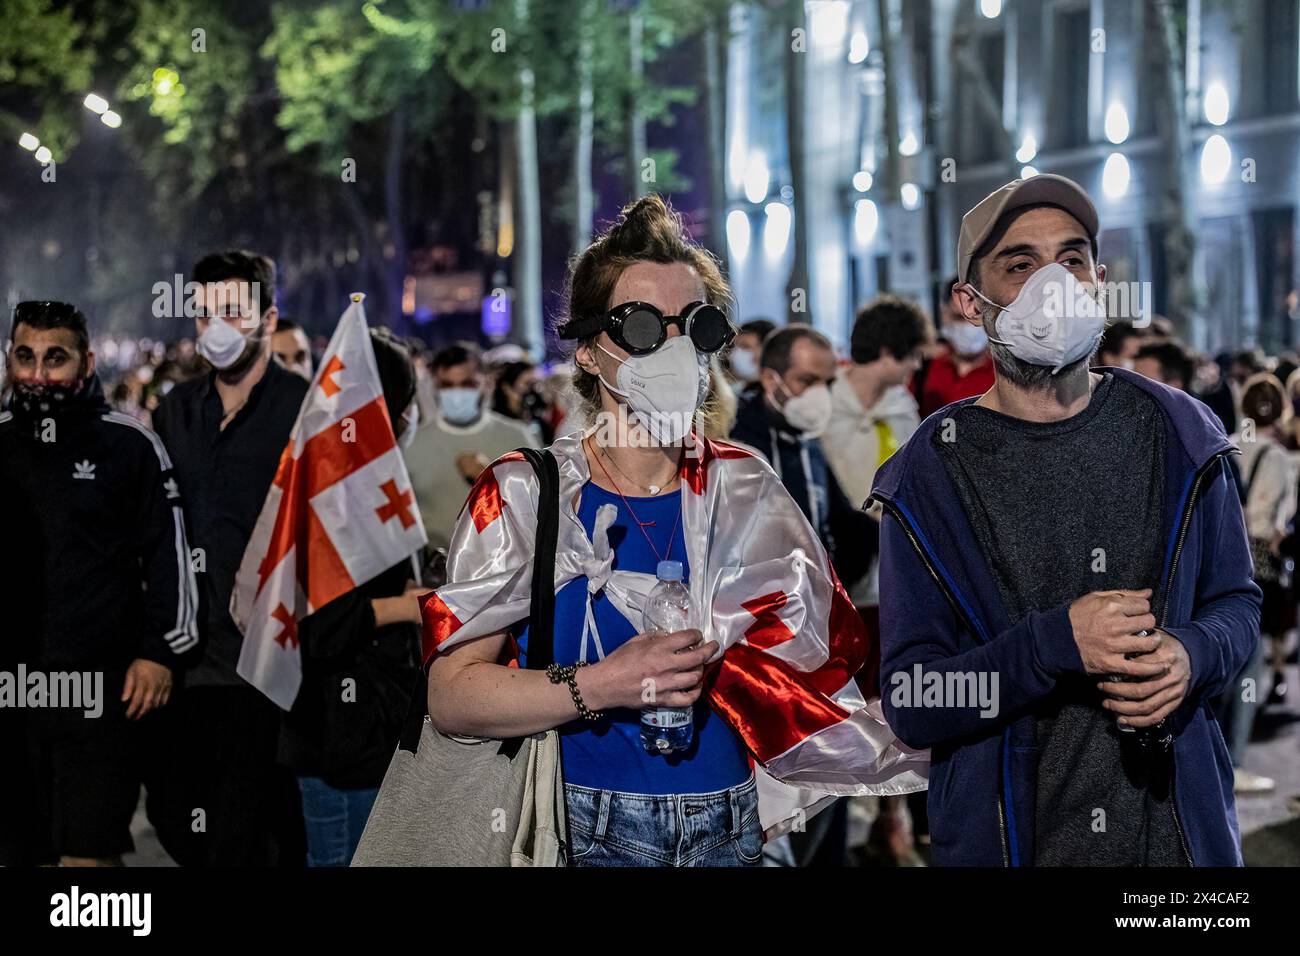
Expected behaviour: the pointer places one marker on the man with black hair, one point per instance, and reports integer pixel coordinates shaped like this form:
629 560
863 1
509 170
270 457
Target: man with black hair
446 456
1166 361
1119 345
872 412
290 345
105 588
226 431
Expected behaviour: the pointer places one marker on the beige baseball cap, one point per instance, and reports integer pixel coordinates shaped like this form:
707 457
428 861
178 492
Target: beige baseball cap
980 222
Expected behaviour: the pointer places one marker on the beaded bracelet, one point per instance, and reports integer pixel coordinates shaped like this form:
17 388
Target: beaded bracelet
568 675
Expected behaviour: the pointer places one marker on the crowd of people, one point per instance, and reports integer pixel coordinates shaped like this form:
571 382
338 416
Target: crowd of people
1062 513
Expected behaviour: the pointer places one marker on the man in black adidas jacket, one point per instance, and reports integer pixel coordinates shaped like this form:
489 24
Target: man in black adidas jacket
102 588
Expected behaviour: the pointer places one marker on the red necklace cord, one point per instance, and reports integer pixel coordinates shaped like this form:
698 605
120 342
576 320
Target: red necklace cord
642 524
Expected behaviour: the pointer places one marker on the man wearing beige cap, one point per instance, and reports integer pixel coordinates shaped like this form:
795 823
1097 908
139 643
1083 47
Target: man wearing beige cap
1065 580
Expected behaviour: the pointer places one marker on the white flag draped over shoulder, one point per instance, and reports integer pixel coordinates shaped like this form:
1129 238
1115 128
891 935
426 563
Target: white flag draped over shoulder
339 512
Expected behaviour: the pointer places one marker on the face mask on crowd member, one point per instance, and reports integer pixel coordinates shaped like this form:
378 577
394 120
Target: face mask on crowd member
967 341
290 345
460 406
232 331
1054 320
744 363
460 391
1031 278
47 367
662 389
407 426
801 393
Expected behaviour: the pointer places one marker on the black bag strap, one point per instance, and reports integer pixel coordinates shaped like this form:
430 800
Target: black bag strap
541 618
1254 469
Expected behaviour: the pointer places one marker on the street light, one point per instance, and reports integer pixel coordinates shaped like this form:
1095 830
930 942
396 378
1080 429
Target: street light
1115 176
1216 160
1117 128
1216 104
111 119
28 142
1028 148
95 103
43 155
859 47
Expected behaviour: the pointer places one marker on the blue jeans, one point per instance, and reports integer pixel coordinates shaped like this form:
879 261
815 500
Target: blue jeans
334 820
608 828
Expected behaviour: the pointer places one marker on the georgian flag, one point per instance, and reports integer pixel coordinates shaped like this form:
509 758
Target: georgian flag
339 512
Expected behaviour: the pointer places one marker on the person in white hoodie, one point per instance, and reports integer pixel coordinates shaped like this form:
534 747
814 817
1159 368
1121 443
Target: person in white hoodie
872 411
872 414
1269 476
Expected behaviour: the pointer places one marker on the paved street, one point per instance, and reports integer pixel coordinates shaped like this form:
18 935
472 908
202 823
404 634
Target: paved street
1270 823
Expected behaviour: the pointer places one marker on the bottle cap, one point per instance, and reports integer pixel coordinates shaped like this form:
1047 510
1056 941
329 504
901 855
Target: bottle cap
669 571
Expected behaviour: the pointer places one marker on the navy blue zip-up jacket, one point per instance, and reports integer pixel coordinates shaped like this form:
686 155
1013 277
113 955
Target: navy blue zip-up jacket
940 608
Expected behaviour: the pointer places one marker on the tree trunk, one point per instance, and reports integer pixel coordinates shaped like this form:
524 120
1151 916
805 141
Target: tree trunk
528 241
396 266
797 288
1175 189
884 8
583 198
636 143
715 105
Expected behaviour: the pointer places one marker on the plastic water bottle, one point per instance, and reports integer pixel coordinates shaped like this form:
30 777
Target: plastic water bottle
668 609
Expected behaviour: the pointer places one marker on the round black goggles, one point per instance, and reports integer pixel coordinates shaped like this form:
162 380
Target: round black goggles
639 328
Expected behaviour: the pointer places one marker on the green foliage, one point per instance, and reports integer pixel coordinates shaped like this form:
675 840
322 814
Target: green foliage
199 97
45 72
340 64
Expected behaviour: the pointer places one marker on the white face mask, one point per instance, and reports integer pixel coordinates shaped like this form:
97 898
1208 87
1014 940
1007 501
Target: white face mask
809 411
411 417
221 343
966 339
662 389
744 364
459 405
1053 321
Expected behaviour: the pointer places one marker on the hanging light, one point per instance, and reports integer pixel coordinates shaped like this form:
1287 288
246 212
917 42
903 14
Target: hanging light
1117 123
1028 149
1115 176
738 233
1216 160
776 231
1216 104
866 219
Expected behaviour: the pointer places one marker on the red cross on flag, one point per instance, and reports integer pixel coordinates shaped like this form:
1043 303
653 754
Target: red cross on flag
339 512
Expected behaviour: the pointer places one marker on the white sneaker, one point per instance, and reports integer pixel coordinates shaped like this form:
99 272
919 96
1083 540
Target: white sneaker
1243 781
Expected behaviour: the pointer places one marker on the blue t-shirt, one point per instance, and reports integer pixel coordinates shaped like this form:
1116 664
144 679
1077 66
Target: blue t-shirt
608 755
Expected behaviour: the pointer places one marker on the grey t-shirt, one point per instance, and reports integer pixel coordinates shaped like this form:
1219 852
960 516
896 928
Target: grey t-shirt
440 488
1062 509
